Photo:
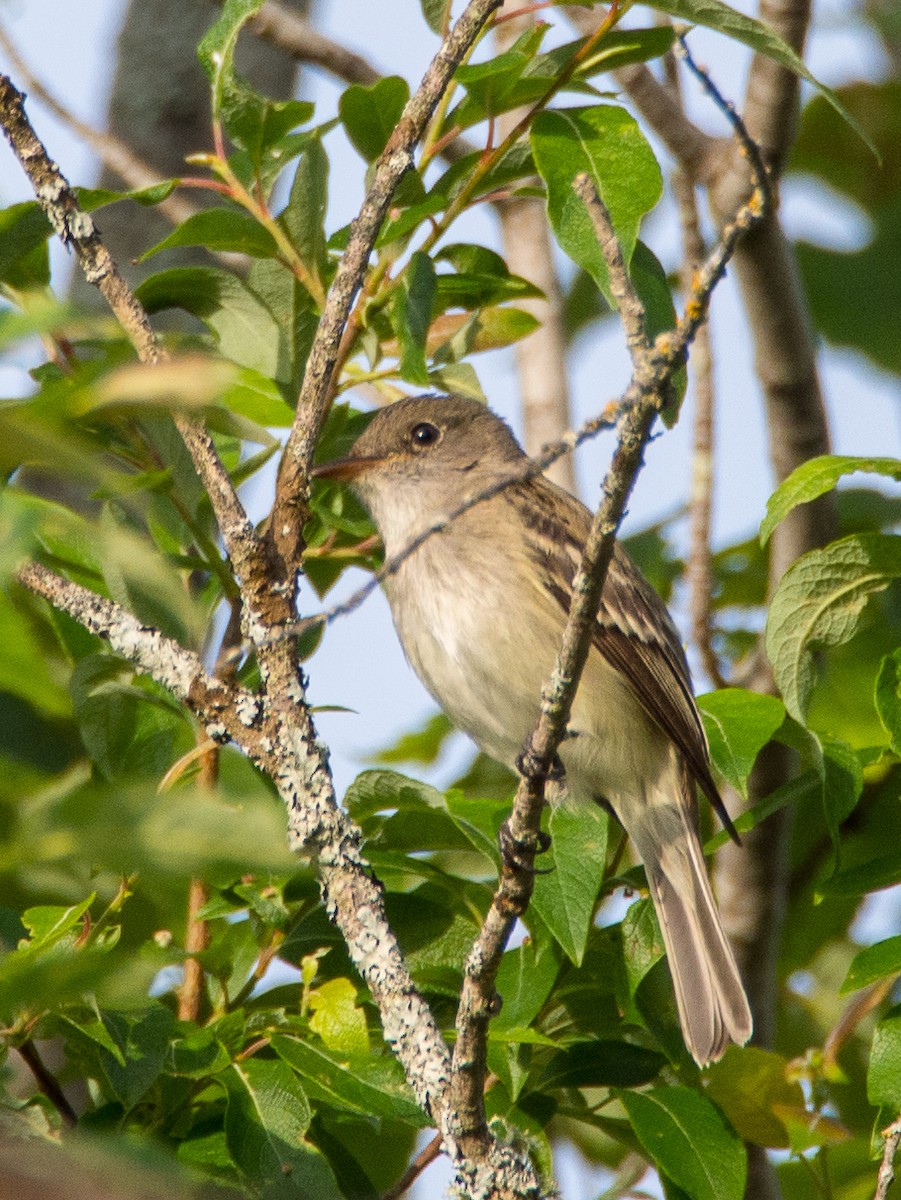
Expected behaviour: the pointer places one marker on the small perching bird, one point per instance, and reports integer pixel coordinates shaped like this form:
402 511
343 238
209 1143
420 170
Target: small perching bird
480 609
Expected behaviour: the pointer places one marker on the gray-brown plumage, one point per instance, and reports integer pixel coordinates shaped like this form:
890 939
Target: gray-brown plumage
480 609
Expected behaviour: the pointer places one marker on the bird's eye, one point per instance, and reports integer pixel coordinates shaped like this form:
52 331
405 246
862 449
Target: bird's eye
424 434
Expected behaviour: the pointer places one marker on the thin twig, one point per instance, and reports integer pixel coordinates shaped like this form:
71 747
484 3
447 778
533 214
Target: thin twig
760 175
423 1159
115 154
886 1176
315 393
197 931
47 1082
700 506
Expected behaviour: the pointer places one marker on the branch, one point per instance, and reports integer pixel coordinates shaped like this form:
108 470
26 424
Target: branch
653 366
288 31
316 391
892 1135
114 153
47 1082
700 568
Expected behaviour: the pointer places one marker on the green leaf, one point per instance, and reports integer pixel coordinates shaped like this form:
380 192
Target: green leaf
738 725
524 981
827 146
888 697
650 281
370 1087
420 746
142 1040
337 1018
884 1071
257 398
565 898
48 923
304 214
607 144
872 963
873 876
688 1138
224 229
746 1083
819 602
197 1055
815 477
369 114
24 230
842 776
713 14
642 942
411 312
217 53
243 327
267 1116
435 13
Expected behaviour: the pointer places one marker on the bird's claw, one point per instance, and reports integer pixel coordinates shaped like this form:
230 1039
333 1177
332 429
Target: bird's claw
519 854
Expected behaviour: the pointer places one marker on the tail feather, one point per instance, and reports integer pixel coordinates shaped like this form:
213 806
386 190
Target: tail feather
710 997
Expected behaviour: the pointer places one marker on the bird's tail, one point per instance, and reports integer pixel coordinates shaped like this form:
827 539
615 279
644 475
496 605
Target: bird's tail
713 1007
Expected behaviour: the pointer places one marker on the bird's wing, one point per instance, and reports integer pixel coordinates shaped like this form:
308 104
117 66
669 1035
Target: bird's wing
633 632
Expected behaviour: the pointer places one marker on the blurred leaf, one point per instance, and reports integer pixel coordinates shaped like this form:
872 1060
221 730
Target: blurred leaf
370 1087
689 1140
243 327
47 924
828 147
606 143
435 13
819 602
565 898
807 1129
738 725
197 1055
747 1083
884 1071
186 381
888 697
337 1019
873 876
853 294
815 477
873 963
420 746
842 777
369 114
602 1064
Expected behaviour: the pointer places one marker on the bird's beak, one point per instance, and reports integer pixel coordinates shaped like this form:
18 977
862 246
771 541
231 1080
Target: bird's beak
343 468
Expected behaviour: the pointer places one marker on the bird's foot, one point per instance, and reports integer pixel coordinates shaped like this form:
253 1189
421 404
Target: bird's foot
519 854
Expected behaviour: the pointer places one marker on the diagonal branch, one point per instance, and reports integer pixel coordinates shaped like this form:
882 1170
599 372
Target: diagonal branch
653 365
315 394
289 31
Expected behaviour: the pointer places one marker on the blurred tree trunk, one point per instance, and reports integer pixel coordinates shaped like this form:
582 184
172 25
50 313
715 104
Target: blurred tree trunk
159 105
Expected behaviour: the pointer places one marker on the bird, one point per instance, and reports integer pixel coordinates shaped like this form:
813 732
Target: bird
479 608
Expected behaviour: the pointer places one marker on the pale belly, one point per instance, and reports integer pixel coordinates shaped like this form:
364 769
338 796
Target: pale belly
486 670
